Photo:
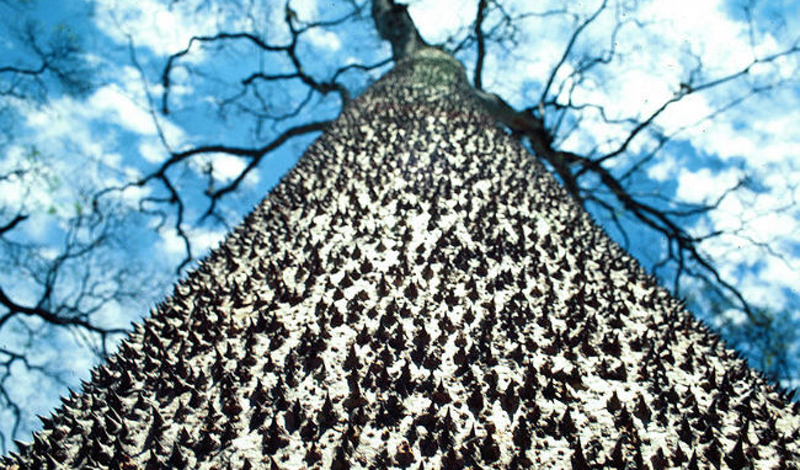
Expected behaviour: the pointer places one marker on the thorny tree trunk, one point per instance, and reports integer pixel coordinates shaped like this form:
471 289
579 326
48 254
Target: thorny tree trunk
419 292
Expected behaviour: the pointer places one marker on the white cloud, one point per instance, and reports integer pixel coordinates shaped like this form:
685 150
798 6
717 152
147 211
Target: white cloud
11 193
758 231
324 39
306 9
162 28
81 145
72 118
702 27
112 105
226 167
664 169
132 195
152 151
436 20
737 317
36 192
704 185
172 245
92 128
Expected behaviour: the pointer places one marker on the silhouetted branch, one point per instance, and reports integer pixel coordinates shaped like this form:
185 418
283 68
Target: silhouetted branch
573 168
256 155
57 57
66 291
481 43
12 223
687 89
568 50
36 311
222 36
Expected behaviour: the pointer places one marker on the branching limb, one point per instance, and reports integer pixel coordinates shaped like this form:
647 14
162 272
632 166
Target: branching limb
567 51
687 89
59 57
222 36
255 156
251 153
481 43
530 126
67 293
165 175
48 316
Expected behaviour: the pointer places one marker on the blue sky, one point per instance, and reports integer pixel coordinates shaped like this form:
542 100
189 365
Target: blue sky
114 133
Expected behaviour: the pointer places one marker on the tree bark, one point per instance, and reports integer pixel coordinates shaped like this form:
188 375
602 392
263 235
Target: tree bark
419 292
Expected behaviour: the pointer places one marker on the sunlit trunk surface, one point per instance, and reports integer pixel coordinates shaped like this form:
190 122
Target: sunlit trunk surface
419 292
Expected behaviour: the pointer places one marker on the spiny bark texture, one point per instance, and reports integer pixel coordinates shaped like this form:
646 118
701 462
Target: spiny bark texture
419 292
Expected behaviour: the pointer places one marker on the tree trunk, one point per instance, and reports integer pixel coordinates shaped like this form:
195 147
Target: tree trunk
419 292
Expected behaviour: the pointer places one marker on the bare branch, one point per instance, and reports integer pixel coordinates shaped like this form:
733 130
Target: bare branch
222 36
15 308
481 53
568 51
12 223
256 156
57 58
687 89
254 153
23 71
